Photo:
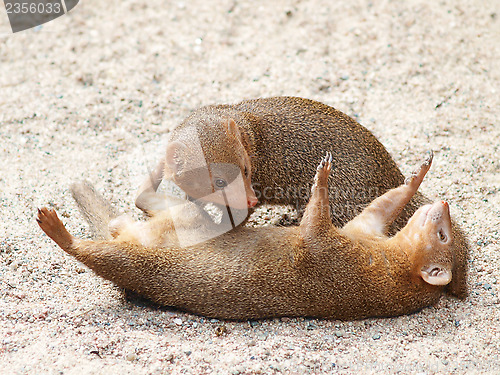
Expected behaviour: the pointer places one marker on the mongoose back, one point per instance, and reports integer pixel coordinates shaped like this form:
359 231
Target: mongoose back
314 270
270 144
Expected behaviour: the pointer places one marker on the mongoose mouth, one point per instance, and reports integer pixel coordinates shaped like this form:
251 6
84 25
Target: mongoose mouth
436 213
424 213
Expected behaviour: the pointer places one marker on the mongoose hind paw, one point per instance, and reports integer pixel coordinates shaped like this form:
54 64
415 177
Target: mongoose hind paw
47 219
53 227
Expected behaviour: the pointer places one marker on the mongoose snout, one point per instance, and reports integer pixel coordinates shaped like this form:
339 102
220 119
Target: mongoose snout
435 219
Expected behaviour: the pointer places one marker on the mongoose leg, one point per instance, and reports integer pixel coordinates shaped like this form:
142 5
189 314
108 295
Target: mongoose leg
121 262
54 228
316 220
378 215
147 198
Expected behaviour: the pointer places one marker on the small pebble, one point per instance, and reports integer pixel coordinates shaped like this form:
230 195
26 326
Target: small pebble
221 330
131 357
339 333
276 367
262 335
238 370
376 336
178 321
311 326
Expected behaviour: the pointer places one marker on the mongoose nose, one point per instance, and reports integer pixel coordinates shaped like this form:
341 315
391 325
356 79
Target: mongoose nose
251 202
446 209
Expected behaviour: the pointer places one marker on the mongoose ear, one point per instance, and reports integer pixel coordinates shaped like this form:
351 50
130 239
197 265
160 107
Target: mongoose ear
435 274
174 159
233 129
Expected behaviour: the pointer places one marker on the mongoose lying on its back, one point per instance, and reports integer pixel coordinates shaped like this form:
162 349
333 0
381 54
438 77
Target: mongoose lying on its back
314 270
261 150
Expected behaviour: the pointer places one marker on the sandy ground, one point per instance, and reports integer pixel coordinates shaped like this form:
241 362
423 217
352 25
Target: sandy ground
93 95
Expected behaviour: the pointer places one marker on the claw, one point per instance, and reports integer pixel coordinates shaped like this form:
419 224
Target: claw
327 159
425 165
428 159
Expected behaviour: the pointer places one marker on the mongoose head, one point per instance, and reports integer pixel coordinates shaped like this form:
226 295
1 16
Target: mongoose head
209 161
429 235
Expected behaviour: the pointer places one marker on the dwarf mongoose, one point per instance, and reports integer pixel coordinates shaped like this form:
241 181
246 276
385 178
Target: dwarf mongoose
260 151
314 270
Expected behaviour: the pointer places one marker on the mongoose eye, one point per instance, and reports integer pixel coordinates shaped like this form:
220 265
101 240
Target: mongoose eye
246 171
442 237
220 183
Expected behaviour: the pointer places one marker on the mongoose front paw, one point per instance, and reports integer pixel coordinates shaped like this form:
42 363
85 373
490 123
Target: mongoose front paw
418 175
428 159
325 163
323 170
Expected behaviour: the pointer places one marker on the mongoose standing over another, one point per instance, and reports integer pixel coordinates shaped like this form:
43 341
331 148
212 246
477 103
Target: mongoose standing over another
314 270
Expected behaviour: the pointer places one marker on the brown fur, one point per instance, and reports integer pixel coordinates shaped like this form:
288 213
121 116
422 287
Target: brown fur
312 270
277 139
